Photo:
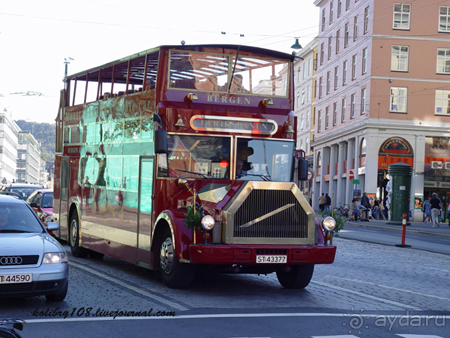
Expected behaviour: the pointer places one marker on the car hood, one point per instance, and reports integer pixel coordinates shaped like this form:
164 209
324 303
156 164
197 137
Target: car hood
28 244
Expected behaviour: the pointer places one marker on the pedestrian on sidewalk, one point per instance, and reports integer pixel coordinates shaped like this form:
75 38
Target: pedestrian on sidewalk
328 203
375 209
354 207
426 208
322 202
436 206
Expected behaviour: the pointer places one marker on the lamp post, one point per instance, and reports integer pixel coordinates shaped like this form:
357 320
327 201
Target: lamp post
66 62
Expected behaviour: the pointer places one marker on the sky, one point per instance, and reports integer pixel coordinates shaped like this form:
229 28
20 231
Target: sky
38 36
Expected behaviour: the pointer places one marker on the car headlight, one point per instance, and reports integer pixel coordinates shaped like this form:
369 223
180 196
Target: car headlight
54 257
208 222
329 223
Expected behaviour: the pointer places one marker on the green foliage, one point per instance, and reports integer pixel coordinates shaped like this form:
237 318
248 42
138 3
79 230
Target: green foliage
43 133
193 220
340 221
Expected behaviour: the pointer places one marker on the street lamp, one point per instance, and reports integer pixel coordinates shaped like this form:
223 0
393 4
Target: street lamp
296 45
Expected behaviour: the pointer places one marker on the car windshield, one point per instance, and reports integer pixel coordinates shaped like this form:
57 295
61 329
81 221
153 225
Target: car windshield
47 200
18 218
264 160
24 193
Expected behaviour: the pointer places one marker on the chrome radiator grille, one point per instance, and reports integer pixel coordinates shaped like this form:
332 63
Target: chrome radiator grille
270 214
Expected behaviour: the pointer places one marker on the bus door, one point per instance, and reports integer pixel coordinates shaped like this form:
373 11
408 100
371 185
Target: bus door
145 208
64 198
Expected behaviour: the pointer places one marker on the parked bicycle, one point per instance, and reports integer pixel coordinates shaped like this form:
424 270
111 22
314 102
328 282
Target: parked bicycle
342 211
6 331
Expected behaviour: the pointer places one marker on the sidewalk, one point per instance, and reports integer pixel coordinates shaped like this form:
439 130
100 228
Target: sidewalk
413 227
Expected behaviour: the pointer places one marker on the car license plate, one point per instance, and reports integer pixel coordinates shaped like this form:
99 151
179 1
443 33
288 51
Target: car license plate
271 259
16 278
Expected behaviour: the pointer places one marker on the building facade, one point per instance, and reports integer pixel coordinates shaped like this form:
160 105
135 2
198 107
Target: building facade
382 97
9 132
28 159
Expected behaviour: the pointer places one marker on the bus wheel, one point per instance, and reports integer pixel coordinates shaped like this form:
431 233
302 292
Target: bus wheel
297 278
174 274
74 237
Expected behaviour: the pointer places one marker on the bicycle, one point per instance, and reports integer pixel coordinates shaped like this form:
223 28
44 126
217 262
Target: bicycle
6 332
342 211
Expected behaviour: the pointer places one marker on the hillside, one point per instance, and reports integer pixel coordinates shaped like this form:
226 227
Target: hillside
43 133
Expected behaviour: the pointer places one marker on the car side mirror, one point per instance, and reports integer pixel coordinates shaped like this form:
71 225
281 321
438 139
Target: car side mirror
34 205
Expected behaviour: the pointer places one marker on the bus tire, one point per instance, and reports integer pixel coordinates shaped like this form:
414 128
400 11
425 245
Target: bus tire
74 237
174 274
297 278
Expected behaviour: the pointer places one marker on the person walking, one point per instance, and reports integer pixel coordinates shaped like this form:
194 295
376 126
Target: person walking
375 209
328 203
322 202
427 210
436 206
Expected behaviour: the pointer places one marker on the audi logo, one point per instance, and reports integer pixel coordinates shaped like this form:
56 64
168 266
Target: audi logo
11 260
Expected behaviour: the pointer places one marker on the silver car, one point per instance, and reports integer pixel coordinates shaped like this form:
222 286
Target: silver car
32 263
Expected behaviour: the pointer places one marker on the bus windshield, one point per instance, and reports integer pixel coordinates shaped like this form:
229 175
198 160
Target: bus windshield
264 160
228 74
198 156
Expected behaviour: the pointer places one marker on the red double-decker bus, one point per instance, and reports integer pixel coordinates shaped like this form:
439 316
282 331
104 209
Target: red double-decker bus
181 156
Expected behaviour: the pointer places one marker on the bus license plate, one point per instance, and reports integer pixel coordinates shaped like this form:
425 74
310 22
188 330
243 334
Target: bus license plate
17 278
271 259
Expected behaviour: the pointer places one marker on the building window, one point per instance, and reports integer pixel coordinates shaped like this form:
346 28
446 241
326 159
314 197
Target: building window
363 101
331 11
347 4
338 36
328 83
319 120
443 61
329 47
309 94
320 87
442 102
298 100
336 77
355 28
399 58
303 96
401 16
366 20
398 99
444 19
334 113
307 150
323 19
321 53
364 63
339 9
344 73
308 116
310 66
327 116
346 36
352 106
344 108
304 70
354 59
299 71
302 121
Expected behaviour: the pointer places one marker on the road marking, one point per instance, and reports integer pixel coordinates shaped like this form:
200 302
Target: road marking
210 316
130 287
389 287
382 300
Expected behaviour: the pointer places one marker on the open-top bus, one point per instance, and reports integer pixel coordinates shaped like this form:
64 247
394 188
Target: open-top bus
181 156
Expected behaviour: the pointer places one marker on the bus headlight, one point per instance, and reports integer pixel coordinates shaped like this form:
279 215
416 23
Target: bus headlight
329 223
208 222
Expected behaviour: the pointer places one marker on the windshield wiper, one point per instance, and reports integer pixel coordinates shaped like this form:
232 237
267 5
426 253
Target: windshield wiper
192 172
14 231
234 69
264 177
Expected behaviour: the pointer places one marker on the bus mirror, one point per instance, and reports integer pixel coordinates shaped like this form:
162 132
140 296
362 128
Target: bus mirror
302 169
160 141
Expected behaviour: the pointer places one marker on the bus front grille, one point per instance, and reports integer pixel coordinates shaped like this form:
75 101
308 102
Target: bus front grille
270 214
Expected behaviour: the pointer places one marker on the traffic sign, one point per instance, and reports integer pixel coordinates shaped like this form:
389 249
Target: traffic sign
355 181
310 175
351 174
